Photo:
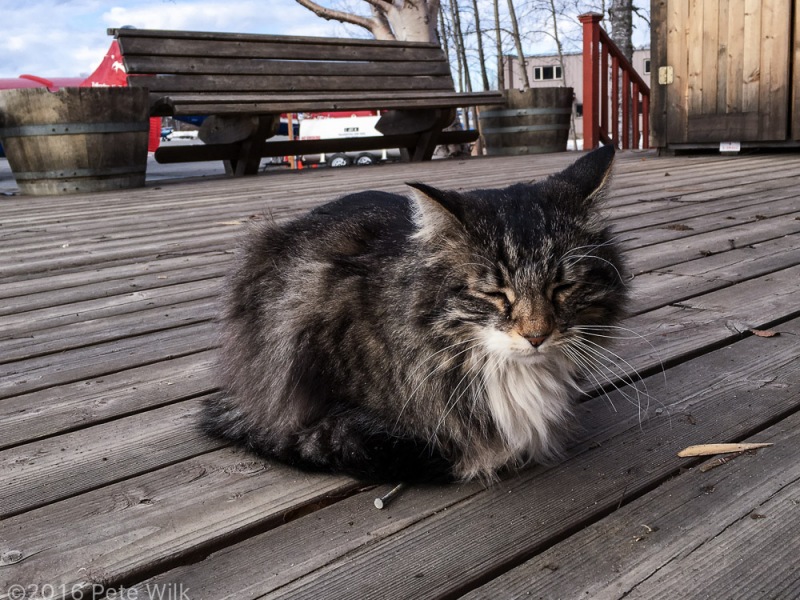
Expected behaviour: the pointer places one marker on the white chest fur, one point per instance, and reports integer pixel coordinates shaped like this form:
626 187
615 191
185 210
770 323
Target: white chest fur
528 402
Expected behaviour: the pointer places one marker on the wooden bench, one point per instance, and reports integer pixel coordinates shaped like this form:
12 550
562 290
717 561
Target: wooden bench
244 83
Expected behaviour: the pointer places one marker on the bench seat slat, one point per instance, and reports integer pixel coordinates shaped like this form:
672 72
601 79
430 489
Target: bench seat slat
380 97
276 50
248 66
312 106
275 84
197 104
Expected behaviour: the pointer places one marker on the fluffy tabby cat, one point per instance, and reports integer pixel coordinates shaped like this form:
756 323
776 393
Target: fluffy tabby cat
432 338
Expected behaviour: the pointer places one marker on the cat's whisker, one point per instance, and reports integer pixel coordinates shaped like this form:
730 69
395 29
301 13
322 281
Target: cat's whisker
607 357
590 329
494 362
618 357
576 258
587 371
603 371
612 240
606 362
439 367
593 333
450 404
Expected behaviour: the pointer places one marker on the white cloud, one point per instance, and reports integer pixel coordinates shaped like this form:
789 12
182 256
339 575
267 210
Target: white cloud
248 17
58 38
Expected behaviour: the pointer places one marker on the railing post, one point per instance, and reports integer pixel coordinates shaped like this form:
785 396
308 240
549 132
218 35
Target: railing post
645 121
591 79
625 100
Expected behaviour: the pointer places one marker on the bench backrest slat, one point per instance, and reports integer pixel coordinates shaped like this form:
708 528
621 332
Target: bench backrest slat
170 65
276 50
278 47
155 34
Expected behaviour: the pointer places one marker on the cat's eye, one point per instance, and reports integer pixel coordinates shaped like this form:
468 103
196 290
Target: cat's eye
500 297
562 288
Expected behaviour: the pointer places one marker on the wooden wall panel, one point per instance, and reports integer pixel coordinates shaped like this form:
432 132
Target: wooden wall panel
732 70
751 67
796 74
711 56
677 58
734 59
694 52
658 58
776 35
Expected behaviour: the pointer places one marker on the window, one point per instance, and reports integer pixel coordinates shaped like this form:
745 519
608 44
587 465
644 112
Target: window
647 66
546 73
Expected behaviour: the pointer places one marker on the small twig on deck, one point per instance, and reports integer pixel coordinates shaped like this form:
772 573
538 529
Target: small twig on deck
719 462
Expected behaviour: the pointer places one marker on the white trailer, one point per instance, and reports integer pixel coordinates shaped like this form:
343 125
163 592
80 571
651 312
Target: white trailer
327 128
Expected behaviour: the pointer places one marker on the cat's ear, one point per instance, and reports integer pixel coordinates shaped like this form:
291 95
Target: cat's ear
435 212
590 173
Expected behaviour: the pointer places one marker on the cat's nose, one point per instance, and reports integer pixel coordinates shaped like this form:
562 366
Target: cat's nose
537 339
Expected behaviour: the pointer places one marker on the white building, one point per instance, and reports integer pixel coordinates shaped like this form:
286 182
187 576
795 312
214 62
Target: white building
547 71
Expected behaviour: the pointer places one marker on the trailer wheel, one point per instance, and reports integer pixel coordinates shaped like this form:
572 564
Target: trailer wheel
365 158
338 160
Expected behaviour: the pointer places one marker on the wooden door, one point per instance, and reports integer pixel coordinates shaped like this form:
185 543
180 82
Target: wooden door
730 70
796 75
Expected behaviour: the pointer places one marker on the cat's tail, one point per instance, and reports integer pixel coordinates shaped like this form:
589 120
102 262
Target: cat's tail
349 442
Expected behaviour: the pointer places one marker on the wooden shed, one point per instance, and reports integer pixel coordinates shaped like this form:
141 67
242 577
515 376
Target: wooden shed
725 71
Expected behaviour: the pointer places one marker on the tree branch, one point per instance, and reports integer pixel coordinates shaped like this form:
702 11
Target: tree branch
639 13
380 4
338 15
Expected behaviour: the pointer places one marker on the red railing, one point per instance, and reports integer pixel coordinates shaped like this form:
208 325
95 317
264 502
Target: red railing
604 114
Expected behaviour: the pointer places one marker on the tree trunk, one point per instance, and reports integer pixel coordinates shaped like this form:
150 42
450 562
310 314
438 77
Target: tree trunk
413 21
523 64
501 80
560 50
458 35
406 20
621 19
481 54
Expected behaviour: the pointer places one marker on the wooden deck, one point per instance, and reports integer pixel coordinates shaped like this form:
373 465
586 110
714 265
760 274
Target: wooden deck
107 341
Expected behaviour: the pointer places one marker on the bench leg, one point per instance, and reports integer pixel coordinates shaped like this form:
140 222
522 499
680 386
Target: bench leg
250 149
426 143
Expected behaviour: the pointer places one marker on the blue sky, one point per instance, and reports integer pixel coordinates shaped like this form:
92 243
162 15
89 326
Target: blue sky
67 38
58 38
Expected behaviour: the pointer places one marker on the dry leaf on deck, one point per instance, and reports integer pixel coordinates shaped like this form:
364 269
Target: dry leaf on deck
764 332
709 449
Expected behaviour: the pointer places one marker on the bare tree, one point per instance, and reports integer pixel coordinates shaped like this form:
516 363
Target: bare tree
404 20
620 15
523 65
479 40
499 46
554 15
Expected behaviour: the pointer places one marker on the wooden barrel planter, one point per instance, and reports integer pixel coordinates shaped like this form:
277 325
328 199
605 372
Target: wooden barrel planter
76 139
533 121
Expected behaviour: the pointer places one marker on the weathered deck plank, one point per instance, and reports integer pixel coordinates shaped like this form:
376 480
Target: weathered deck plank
107 348
77 405
674 526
